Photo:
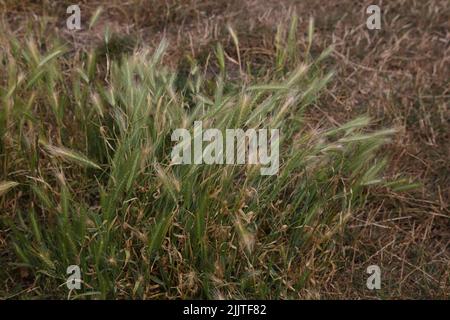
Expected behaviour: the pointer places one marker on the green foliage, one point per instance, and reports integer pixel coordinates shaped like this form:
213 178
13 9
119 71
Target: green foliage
91 149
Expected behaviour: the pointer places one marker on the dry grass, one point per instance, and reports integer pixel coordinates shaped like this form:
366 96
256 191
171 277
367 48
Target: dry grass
398 75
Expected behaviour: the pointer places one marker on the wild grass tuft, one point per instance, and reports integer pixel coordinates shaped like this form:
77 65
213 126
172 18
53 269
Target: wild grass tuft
88 148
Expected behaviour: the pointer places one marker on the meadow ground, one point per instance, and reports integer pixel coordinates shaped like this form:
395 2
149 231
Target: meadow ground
86 181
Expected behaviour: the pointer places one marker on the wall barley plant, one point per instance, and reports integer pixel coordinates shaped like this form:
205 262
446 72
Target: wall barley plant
87 178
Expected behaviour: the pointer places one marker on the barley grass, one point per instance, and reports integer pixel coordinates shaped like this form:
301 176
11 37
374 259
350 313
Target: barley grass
85 155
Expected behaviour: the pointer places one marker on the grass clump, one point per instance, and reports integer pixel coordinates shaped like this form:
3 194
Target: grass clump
85 156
